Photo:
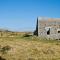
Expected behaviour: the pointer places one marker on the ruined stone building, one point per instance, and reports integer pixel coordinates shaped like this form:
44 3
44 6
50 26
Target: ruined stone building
48 27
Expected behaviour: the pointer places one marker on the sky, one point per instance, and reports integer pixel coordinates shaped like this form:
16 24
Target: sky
21 15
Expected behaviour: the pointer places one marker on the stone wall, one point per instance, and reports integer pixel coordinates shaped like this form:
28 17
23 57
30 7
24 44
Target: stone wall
48 27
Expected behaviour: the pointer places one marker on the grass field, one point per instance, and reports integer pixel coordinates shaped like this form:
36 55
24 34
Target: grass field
29 48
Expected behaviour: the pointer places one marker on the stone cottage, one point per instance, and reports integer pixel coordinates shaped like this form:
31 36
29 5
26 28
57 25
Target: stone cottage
48 27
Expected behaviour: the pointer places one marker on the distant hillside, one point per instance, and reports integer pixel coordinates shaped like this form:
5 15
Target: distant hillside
8 33
4 30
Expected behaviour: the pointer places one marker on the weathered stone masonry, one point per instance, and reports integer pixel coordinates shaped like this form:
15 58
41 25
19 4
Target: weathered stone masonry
48 27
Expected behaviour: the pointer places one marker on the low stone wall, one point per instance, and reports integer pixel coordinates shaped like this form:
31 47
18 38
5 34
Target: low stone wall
54 36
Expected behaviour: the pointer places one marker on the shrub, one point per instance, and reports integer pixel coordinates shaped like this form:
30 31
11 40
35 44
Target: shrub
5 49
26 35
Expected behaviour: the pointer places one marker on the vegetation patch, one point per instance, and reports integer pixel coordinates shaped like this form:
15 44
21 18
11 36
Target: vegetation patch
29 47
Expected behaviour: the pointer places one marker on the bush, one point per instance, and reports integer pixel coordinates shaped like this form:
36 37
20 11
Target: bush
26 35
5 49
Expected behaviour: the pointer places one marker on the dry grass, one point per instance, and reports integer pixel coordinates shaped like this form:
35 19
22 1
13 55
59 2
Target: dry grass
29 48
